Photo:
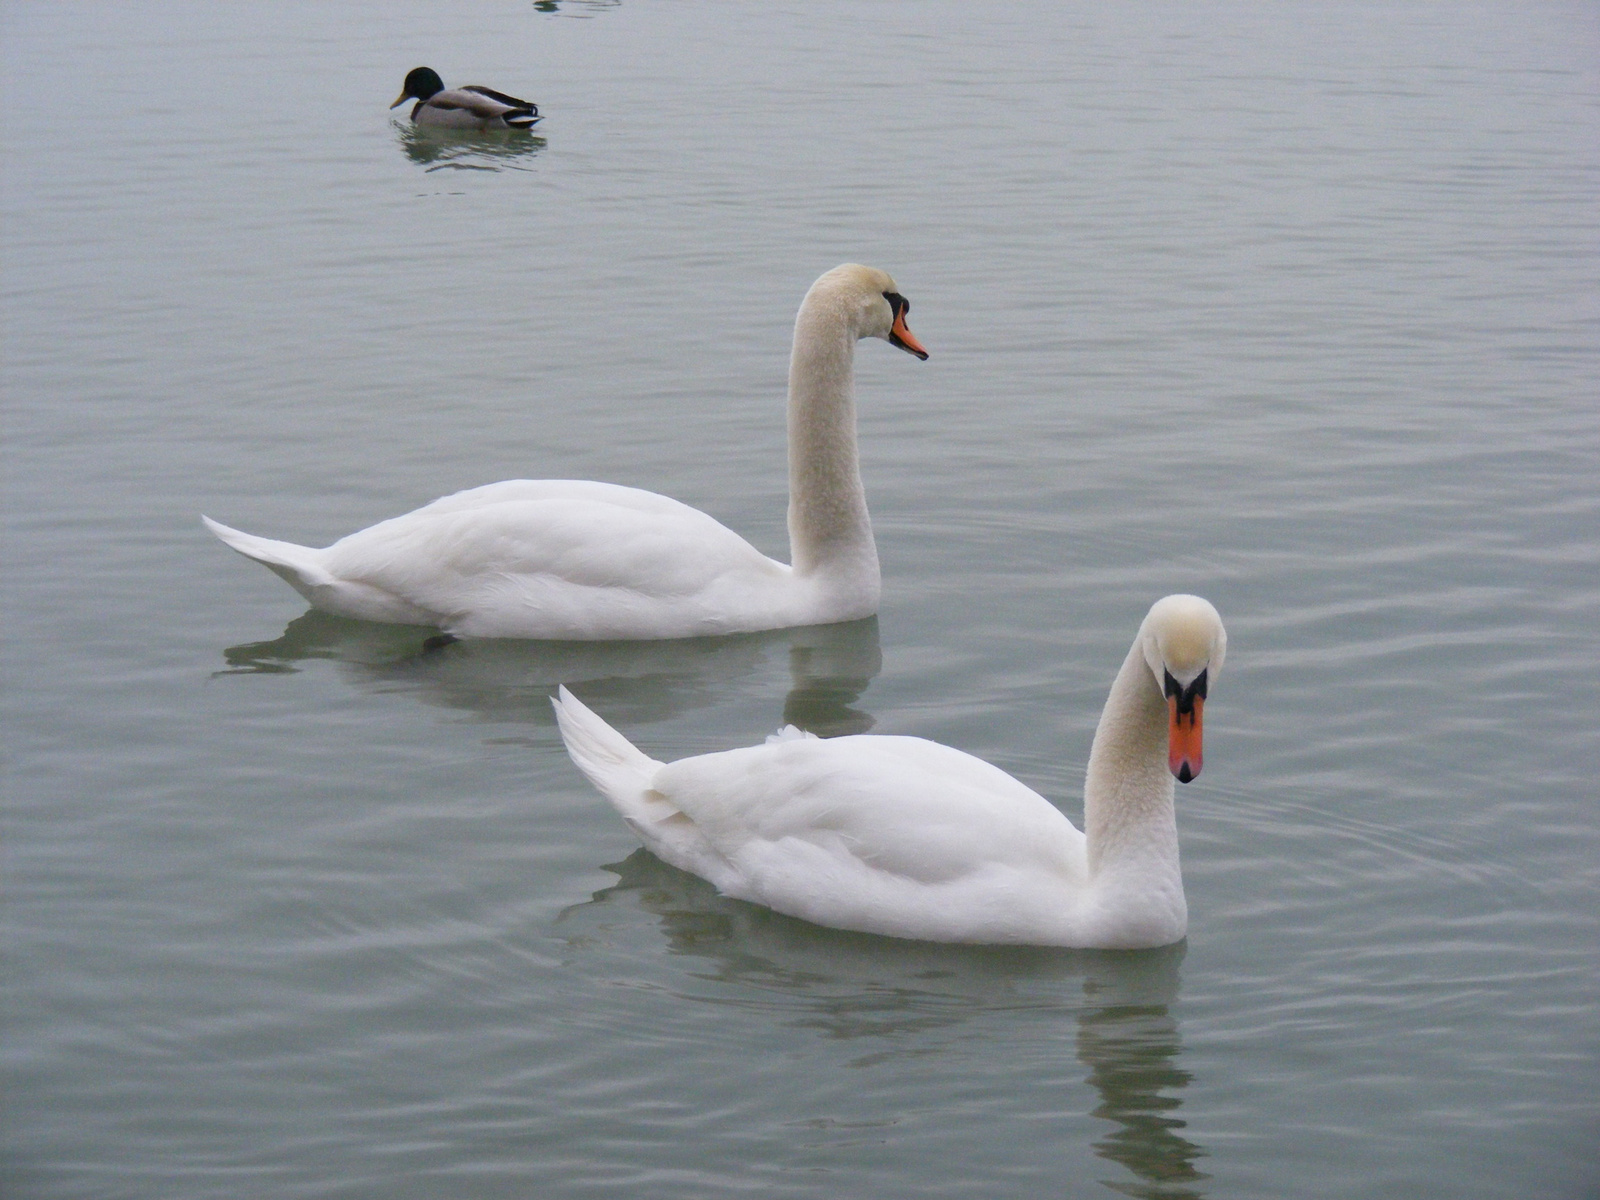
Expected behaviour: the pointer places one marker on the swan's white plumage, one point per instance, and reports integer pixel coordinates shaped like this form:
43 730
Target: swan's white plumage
551 558
907 837
576 559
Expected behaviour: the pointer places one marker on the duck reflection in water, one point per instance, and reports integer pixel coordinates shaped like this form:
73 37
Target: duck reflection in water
468 150
575 8
901 994
503 680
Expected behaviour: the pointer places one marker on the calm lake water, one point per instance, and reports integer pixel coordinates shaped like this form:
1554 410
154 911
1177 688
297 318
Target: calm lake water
1295 306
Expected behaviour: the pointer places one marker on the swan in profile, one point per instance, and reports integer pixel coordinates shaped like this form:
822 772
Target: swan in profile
906 837
576 560
471 107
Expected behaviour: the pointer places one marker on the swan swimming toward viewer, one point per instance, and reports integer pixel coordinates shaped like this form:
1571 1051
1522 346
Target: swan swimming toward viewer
575 560
470 107
906 837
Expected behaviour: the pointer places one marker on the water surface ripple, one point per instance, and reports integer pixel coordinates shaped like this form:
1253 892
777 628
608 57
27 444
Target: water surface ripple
1291 306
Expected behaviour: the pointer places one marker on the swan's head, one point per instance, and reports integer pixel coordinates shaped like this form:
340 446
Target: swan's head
871 300
420 83
1183 642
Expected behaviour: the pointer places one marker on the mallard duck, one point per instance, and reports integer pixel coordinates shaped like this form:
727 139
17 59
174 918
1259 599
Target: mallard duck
471 107
577 560
914 839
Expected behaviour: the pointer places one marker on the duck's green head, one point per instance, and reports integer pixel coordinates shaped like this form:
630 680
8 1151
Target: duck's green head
420 84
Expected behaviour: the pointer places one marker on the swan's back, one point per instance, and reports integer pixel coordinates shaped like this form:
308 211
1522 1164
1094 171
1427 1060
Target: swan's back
892 835
568 559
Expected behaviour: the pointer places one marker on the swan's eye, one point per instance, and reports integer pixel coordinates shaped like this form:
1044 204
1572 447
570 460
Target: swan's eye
898 304
1186 696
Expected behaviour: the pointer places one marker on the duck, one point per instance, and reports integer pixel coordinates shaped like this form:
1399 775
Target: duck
578 560
471 107
910 838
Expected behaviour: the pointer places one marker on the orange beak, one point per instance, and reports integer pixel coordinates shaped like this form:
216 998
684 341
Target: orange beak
1183 739
900 335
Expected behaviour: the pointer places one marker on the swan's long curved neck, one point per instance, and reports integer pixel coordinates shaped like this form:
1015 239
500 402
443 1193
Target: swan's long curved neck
1128 816
830 532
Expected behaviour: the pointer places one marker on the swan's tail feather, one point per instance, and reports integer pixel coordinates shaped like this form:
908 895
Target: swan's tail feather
300 566
625 776
619 769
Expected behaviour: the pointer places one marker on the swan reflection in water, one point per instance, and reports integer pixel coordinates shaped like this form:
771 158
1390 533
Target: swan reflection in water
859 986
499 680
468 150
1132 1053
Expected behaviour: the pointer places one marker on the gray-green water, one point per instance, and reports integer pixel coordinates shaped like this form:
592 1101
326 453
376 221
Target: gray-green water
1294 306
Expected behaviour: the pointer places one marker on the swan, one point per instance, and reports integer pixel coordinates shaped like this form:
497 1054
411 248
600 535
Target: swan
577 560
471 107
910 838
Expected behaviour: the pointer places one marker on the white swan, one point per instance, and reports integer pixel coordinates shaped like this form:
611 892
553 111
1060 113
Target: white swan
901 836
568 559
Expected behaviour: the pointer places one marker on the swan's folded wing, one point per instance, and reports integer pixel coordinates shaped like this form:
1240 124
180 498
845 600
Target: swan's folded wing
570 554
884 834
840 812
613 494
